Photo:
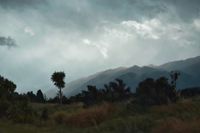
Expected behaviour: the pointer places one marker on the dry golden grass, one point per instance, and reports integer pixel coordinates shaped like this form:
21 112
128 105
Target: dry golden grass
90 116
184 106
59 117
174 125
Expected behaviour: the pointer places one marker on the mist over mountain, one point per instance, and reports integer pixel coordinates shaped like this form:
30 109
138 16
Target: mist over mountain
189 69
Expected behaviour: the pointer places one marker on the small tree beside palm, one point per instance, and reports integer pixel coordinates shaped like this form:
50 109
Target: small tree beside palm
58 80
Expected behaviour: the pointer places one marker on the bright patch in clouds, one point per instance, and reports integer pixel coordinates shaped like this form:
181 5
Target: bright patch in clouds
86 41
29 31
145 29
101 46
197 24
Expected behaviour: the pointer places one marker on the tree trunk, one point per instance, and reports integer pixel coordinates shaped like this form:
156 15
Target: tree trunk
60 92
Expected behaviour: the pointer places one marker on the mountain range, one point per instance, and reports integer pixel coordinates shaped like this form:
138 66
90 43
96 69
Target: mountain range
189 69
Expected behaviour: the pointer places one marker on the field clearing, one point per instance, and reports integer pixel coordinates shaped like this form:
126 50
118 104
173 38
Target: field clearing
182 117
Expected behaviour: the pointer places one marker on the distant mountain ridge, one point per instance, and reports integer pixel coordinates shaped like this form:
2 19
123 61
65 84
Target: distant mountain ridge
189 68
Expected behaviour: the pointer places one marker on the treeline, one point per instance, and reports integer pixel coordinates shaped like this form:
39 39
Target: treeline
38 97
156 92
13 106
112 92
190 92
149 92
7 88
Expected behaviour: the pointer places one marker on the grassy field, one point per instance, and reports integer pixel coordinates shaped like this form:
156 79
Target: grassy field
182 117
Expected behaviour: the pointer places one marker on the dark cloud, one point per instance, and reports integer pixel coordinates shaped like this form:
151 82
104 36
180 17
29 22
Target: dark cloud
17 4
136 9
186 9
87 14
7 41
129 9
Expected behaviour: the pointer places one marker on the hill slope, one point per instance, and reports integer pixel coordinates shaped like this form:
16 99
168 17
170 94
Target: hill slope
189 68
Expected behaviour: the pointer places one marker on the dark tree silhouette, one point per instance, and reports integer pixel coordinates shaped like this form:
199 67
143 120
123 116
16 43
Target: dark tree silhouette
112 92
40 96
31 96
155 92
90 96
174 77
190 92
165 92
7 87
58 80
146 91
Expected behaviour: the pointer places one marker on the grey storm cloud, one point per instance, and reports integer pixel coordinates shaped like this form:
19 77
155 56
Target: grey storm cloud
186 9
86 14
7 41
17 4
82 37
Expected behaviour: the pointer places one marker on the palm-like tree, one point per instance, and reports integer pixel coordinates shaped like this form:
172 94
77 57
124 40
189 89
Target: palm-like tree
58 80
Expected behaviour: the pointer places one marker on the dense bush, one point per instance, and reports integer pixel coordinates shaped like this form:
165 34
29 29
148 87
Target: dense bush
155 92
112 92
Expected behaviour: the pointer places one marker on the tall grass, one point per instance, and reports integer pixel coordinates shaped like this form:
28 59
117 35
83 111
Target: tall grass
91 116
186 109
85 117
181 117
174 125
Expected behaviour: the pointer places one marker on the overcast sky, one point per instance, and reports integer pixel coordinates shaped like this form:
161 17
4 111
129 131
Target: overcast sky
81 37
